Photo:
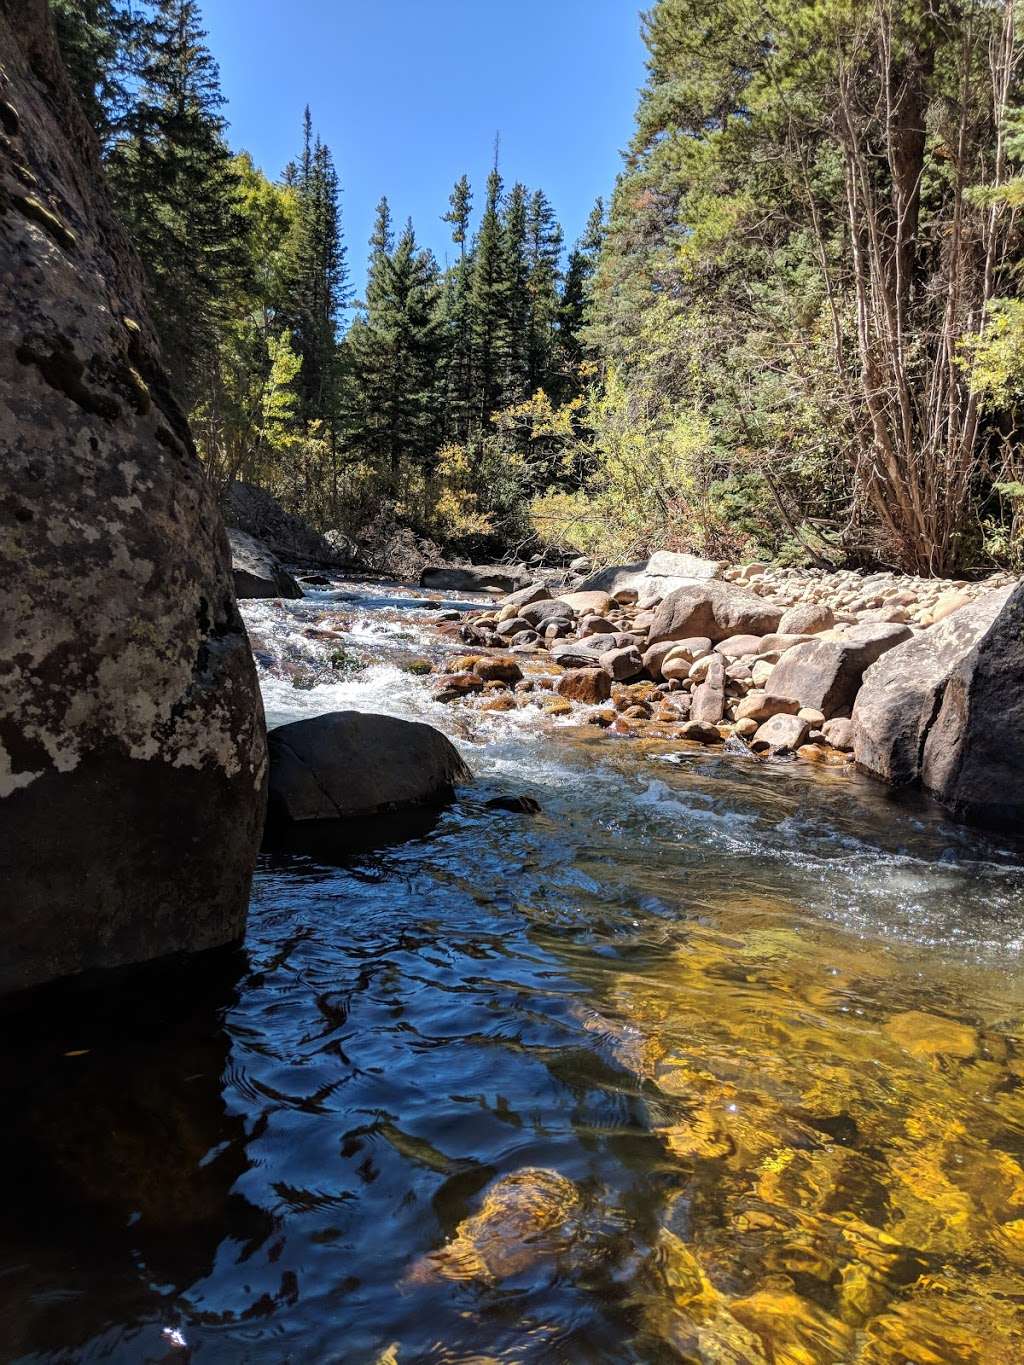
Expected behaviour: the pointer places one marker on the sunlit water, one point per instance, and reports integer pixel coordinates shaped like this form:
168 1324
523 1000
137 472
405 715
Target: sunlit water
713 1060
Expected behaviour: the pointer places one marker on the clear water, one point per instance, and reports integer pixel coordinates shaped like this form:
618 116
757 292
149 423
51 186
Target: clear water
709 1061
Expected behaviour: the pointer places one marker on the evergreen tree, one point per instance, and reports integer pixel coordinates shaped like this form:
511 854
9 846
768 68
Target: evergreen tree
457 309
543 259
515 381
489 299
572 309
393 352
317 276
99 42
177 191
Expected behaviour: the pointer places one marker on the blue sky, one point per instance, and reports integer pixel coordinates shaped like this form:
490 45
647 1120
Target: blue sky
410 93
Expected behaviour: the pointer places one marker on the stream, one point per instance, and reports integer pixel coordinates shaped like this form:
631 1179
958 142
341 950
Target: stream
714 1059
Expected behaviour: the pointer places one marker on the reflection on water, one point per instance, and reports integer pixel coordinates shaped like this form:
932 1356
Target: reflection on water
703 1063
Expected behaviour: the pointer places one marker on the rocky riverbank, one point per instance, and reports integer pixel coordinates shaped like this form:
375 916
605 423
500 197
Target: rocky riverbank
892 672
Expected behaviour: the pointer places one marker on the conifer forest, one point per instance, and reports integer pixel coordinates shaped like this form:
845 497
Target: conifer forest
794 329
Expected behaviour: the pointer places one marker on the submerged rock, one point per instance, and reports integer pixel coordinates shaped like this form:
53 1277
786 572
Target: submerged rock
256 571
527 1220
346 765
133 759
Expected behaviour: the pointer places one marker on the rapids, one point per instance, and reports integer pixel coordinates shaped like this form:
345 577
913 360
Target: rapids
711 1060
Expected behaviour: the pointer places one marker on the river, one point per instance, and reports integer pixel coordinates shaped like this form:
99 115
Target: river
711 1060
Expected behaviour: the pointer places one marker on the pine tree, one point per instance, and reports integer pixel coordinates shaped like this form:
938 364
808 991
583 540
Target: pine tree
393 352
457 310
515 381
572 312
317 275
176 189
489 299
543 257
99 41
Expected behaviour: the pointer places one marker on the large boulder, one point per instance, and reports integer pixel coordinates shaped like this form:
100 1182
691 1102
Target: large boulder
255 569
653 578
474 578
346 765
132 742
974 754
714 609
902 691
825 674
258 513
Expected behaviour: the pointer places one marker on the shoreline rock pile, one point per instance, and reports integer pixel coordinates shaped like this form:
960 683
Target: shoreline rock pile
897 674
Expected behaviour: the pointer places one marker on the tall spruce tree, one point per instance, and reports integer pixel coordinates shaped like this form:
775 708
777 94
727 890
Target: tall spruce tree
176 190
489 298
457 309
572 348
317 274
393 352
543 265
100 42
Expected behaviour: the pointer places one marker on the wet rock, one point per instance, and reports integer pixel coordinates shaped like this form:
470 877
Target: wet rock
527 1220
578 653
700 731
622 664
713 609
556 706
504 701
902 692
517 805
589 686
929 1035
974 754
473 578
505 671
346 765
825 674
546 612
256 571
132 761
513 625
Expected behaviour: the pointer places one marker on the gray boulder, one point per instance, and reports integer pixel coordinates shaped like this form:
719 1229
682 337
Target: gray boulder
714 609
824 675
256 571
974 754
474 578
133 753
522 597
346 765
902 692
709 696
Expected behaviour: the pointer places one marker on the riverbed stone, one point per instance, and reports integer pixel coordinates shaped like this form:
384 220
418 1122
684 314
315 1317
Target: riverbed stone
546 612
473 578
737 646
973 759
708 702
587 603
714 609
782 732
524 597
902 691
825 674
807 618
839 733
132 745
622 664
587 685
346 765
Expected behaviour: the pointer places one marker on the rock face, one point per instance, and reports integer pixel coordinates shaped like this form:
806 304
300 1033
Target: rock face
132 745
255 570
974 755
712 609
474 578
902 692
346 765
259 514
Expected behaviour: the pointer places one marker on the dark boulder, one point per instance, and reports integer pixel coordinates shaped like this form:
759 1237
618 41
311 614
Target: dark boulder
346 765
132 742
255 570
974 754
474 578
259 514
